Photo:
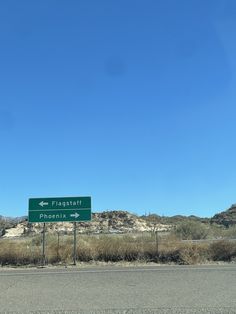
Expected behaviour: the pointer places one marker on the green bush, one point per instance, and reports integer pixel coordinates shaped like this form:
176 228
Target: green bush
191 230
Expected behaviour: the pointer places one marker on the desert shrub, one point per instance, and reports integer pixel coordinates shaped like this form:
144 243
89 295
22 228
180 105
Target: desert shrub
66 253
131 252
109 249
184 254
193 254
222 250
230 232
220 231
59 249
191 230
37 240
172 256
85 251
17 253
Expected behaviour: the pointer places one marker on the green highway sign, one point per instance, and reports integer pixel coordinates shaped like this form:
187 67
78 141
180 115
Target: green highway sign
60 209
59 203
56 215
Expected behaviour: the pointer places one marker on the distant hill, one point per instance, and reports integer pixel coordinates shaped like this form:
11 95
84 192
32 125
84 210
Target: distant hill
226 218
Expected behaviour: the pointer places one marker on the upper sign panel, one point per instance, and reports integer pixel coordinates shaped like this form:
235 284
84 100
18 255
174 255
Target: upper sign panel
60 203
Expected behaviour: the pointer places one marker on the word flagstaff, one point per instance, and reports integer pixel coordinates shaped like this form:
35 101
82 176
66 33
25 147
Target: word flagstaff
66 203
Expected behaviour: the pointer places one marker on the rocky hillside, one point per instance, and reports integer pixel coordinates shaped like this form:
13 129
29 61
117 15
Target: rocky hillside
226 218
112 222
105 222
7 223
174 220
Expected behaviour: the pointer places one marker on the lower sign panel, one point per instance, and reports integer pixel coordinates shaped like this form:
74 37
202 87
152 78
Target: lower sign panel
56 216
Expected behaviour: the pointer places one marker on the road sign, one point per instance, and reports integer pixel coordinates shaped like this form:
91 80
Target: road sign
59 209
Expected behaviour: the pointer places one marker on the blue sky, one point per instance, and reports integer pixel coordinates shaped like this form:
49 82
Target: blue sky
131 102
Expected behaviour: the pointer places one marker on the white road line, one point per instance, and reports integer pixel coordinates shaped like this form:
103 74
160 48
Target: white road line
68 272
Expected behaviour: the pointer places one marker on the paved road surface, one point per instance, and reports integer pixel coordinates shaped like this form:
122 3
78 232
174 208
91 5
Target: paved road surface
158 289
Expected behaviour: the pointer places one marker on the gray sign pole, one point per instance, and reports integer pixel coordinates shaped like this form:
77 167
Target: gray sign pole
44 244
157 242
75 244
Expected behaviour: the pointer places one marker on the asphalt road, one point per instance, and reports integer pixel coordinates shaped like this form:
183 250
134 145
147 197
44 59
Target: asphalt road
158 289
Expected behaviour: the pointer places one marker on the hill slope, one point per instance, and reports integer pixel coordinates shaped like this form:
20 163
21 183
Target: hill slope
226 218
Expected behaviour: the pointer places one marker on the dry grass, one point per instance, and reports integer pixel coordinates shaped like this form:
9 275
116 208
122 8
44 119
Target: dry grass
19 253
110 248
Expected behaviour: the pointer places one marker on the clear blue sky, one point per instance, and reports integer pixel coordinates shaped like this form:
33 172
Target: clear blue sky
131 102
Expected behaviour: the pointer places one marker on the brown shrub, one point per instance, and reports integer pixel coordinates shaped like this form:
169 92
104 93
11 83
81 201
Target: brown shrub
222 250
191 254
116 249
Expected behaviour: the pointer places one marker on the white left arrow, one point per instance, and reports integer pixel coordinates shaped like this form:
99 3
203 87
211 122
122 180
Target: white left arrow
76 215
43 203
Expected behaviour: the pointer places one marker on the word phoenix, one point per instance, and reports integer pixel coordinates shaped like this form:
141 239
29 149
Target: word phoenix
52 216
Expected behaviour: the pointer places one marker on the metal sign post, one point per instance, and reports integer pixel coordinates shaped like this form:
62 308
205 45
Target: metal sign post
75 244
157 242
44 256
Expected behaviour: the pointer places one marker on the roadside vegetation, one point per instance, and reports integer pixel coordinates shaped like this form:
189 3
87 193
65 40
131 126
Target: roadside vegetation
181 246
